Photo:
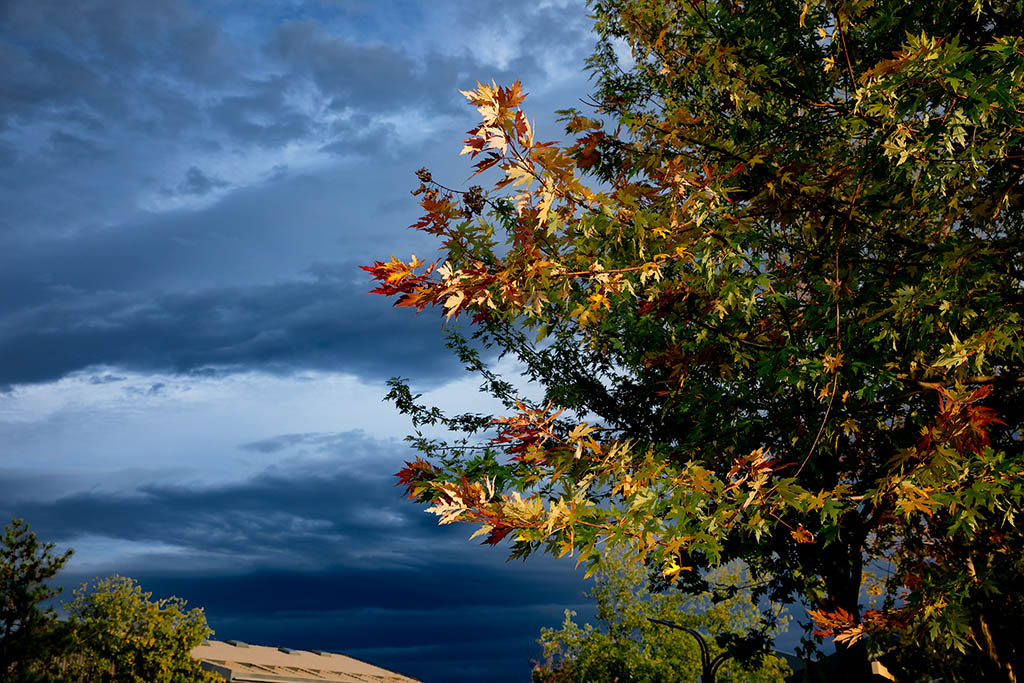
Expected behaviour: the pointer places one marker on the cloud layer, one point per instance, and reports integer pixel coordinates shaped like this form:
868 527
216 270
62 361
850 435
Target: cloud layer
190 366
324 323
166 198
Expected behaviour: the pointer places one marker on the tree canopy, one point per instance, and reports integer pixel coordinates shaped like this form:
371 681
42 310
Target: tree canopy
123 635
771 290
627 646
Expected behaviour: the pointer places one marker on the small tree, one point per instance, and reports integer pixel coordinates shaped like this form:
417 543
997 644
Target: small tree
29 634
630 648
122 635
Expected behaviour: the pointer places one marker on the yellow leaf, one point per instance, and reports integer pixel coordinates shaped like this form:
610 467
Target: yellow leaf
453 302
546 200
801 535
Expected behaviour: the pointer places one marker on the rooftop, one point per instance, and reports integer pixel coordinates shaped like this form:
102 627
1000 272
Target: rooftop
236 661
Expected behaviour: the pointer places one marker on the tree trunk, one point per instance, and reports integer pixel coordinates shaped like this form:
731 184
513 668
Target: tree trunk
988 643
852 663
1000 664
843 585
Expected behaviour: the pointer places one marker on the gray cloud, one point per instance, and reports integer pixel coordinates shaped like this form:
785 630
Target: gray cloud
321 550
98 119
73 147
197 182
261 114
84 55
323 495
265 278
372 77
80 75
327 323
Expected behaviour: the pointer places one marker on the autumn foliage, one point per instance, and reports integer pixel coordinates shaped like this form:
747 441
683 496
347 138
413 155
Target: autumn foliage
772 291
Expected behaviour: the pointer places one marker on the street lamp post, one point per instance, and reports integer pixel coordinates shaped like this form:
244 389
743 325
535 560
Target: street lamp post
709 665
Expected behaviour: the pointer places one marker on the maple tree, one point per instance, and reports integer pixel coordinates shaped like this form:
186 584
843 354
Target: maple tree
771 290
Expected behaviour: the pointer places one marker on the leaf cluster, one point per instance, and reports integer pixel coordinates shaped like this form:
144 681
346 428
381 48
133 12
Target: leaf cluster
627 646
122 635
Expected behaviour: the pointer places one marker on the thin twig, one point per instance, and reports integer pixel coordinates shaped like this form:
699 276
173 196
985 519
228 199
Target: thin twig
838 346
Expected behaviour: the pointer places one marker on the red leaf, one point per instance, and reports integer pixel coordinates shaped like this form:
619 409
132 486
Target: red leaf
416 472
497 534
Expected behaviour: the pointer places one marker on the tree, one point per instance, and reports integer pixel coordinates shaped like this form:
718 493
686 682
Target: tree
122 635
772 291
632 648
29 634
114 632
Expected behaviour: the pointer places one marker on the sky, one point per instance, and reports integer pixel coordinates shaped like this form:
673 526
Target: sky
191 370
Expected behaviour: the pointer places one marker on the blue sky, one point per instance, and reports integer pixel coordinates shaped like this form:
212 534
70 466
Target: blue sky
192 373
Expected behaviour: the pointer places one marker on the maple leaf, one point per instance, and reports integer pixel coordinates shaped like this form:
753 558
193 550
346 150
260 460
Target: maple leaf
837 624
396 277
496 534
414 475
523 130
801 534
454 304
449 510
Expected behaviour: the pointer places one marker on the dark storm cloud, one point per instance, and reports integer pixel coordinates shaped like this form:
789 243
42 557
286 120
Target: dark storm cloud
332 491
270 232
97 117
328 514
249 281
425 638
82 65
86 54
105 103
326 323
320 551
473 621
